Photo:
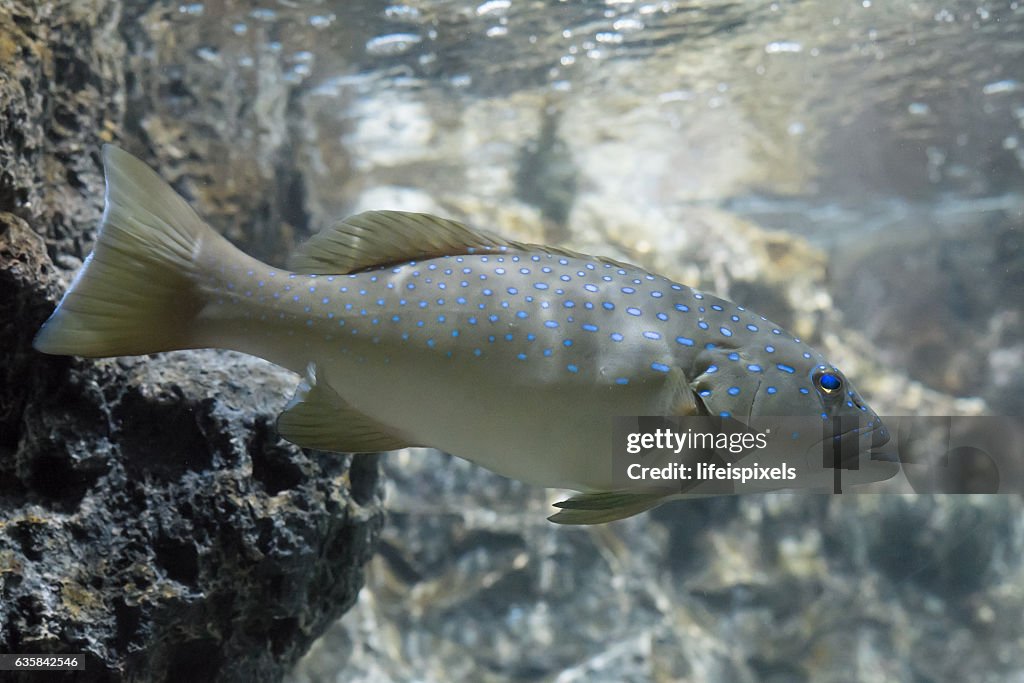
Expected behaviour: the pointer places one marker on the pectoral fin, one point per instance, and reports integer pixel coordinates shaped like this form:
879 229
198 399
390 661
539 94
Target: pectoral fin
317 417
606 506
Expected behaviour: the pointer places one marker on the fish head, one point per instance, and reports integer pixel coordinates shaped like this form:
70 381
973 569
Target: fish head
787 380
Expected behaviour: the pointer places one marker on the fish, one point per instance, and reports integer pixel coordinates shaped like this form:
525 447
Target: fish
408 329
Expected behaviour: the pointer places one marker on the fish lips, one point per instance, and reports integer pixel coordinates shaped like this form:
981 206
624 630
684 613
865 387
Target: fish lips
851 444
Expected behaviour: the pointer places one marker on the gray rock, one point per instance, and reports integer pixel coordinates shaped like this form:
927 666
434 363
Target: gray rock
150 517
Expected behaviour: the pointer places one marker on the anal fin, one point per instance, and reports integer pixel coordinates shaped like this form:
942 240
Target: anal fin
317 417
604 506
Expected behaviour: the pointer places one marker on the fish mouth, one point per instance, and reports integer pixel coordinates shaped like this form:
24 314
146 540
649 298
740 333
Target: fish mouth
849 444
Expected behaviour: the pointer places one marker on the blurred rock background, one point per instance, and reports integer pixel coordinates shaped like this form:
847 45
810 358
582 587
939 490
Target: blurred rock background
851 170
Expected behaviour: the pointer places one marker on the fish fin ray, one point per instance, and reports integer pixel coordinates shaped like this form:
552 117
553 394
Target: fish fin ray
317 417
604 506
376 239
137 292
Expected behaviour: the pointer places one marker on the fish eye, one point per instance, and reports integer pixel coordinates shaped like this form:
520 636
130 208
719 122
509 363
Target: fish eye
829 382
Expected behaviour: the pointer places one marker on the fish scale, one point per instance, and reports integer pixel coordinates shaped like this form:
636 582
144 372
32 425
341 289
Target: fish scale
413 330
561 318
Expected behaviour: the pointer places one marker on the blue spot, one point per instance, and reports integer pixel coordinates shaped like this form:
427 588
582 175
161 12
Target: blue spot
770 348
704 393
622 380
676 287
440 318
753 367
540 285
547 352
524 271
455 333
590 288
634 311
531 336
590 328
734 391
734 356
725 413
698 295
656 294
420 323
472 320
422 304
772 390
477 352
807 355
493 318
776 331
430 343
682 307
725 330
488 292
521 356
608 306
628 290
587 305
572 368
685 341
410 286
461 300
804 390
660 367
567 342
564 278
616 337
546 269
716 307
652 335
513 290
550 323
785 368
702 325
752 327
491 338
563 262
394 318
569 303
522 314
260 283
735 318
508 337
662 316
711 370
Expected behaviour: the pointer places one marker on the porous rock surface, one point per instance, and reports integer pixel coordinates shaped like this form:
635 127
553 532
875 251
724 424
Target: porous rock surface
150 517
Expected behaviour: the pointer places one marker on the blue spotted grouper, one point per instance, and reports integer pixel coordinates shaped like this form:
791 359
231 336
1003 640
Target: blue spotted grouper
413 330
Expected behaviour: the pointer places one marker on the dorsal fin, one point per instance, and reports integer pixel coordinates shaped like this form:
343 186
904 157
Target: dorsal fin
375 239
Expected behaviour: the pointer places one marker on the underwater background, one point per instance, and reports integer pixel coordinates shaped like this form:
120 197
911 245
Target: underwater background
852 170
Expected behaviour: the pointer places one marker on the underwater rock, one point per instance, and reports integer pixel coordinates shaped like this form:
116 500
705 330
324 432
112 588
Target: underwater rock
150 517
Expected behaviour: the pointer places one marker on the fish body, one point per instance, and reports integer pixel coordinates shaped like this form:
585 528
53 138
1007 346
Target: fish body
414 330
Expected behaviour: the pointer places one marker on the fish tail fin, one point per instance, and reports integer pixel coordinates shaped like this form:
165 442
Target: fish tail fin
139 291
